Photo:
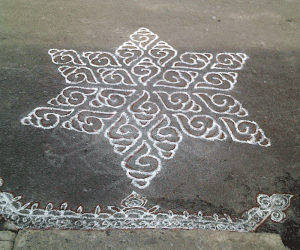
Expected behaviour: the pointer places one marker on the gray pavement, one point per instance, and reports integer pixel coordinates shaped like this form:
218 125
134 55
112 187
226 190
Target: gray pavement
140 114
138 239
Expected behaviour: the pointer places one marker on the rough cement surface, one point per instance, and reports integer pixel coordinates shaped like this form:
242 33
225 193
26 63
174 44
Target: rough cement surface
208 176
6 245
7 236
7 240
8 226
146 239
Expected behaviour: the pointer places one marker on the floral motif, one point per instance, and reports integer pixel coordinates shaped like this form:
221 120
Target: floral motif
133 214
145 98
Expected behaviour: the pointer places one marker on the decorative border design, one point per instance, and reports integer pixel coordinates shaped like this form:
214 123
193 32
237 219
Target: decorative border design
133 214
94 108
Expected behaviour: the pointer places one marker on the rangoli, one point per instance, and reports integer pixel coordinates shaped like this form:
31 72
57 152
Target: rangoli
146 100
133 214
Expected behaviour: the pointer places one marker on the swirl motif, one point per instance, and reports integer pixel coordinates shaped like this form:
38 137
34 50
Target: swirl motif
143 110
134 200
192 60
246 132
200 126
44 117
116 77
133 213
218 80
65 56
163 52
87 121
141 166
145 70
275 205
72 96
222 104
154 69
129 52
177 79
177 101
143 37
232 61
111 97
101 59
74 74
122 135
166 138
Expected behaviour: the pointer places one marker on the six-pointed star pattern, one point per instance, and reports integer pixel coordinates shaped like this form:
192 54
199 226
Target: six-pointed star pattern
144 97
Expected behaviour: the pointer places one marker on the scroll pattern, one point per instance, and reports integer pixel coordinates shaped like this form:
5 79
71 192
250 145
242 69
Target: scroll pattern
75 74
143 110
87 121
143 37
46 118
146 99
177 79
111 97
192 60
145 70
134 214
64 56
218 81
164 52
141 166
129 52
101 59
223 104
246 132
116 77
201 126
72 96
165 138
122 135
178 101
232 61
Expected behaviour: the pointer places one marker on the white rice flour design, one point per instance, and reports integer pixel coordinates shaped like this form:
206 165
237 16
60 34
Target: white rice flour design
122 135
129 52
145 70
146 99
64 56
143 110
201 126
141 166
87 121
177 79
101 59
133 214
114 98
190 60
116 77
178 101
75 74
223 104
233 61
72 96
218 81
165 138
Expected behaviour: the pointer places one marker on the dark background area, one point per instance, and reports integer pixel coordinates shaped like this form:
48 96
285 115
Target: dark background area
221 177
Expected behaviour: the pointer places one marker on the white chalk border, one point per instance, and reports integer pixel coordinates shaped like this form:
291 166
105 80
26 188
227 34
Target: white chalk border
133 214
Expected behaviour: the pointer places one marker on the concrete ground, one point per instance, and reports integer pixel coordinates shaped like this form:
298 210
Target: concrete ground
60 164
138 239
